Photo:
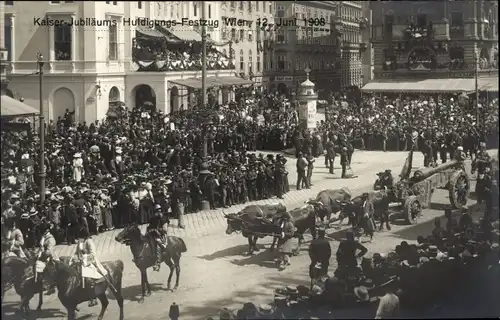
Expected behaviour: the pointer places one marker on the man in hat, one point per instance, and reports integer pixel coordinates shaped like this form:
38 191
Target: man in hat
301 171
346 253
320 251
388 306
158 229
285 243
344 162
15 238
482 160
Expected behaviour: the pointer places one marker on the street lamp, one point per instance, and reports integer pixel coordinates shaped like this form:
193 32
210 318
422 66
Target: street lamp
208 123
40 64
476 65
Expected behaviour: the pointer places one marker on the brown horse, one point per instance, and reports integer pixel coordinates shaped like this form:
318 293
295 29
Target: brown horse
71 291
145 257
18 273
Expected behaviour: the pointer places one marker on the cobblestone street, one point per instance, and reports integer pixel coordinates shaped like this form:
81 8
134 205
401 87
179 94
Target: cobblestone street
214 271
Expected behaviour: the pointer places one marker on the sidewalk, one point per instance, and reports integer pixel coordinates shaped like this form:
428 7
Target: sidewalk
365 164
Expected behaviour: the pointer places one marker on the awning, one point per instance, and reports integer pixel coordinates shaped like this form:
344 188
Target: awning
185 34
427 85
11 108
149 32
195 83
488 84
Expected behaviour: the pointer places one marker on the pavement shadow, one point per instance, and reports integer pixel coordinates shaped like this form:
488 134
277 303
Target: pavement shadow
263 259
133 293
10 312
239 250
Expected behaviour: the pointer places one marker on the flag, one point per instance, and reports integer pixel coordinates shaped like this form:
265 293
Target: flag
405 172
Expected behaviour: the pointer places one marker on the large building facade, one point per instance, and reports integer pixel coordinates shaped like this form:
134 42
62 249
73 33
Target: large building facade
453 40
305 37
89 65
352 24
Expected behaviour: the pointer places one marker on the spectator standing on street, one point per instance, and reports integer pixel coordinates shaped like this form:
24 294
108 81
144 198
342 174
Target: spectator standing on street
310 167
388 306
301 171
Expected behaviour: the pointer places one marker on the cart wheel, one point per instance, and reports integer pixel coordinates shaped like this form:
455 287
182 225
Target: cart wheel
459 189
412 209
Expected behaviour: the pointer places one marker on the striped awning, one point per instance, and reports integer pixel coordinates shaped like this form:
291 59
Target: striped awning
427 85
13 108
185 34
150 32
196 83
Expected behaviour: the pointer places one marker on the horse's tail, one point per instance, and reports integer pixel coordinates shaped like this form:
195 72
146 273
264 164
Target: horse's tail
183 245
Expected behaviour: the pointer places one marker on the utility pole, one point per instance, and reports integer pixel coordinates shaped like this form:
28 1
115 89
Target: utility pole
476 63
42 130
204 75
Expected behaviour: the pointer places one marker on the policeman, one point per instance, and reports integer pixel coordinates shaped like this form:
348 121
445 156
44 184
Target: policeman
344 161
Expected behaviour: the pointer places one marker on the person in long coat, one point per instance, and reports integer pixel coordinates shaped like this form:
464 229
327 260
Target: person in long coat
285 243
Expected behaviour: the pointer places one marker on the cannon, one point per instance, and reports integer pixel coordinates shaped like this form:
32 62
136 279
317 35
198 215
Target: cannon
412 194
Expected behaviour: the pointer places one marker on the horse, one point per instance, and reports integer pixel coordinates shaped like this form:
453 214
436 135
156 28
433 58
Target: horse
144 255
18 273
253 226
71 291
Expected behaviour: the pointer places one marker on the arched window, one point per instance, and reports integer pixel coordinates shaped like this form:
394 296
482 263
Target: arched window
258 61
250 62
242 61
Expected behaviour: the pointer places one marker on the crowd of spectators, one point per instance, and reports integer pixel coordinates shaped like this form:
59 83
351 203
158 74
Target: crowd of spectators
115 172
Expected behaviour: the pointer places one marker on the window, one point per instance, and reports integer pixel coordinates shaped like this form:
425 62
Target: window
250 35
242 35
270 7
113 43
209 11
250 62
115 3
195 9
263 6
421 20
233 34
281 36
224 34
280 11
457 19
232 54
256 5
258 62
389 21
242 61
8 37
233 5
139 4
250 6
9 3
297 64
281 62
62 42
224 52
257 31
55 2
241 5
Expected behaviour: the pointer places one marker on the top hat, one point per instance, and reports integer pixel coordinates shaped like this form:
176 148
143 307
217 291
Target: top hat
361 293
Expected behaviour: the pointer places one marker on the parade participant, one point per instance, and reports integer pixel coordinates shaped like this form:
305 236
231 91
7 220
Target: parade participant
330 156
482 160
47 246
158 229
15 238
91 267
285 244
320 251
346 253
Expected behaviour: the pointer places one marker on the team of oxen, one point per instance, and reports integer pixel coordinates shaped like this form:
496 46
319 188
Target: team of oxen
329 206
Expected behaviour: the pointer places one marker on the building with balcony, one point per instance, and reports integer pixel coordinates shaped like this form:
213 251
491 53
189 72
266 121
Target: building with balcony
439 45
97 61
352 24
242 23
305 37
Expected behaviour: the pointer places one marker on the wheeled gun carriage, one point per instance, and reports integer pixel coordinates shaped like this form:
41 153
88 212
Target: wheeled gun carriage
412 194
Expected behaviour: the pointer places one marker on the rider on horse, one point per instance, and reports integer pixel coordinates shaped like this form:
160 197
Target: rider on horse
47 246
158 230
15 239
91 267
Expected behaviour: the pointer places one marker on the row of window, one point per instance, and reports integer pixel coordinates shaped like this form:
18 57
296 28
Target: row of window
240 35
249 5
242 60
302 63
304 12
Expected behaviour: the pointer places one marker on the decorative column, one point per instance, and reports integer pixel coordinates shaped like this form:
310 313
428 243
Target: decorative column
52 54
471 22
73 45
